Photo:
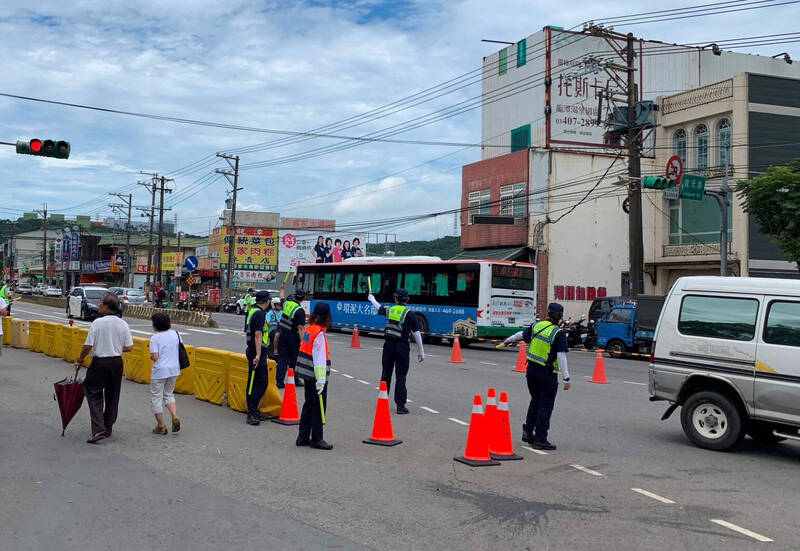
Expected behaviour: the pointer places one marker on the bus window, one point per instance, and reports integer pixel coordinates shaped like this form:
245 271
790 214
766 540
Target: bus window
461 282
512 277
344 283
415 284
440 284
324 284
305 281
466 288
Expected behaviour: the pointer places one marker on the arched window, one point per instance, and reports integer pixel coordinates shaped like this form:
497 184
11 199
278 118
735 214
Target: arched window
679 142
724 142
701 145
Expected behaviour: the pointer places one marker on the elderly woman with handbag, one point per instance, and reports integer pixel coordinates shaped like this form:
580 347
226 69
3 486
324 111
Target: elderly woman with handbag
166 353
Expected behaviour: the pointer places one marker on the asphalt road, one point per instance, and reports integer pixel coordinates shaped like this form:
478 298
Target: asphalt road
620 478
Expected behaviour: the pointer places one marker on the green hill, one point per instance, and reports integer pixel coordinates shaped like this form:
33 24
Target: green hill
445 248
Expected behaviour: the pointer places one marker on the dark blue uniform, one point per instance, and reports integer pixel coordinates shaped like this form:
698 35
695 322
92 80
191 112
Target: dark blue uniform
543 386
395 356
289 347
257 378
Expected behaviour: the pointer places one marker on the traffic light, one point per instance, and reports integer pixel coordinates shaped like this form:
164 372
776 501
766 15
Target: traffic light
44 148
653 182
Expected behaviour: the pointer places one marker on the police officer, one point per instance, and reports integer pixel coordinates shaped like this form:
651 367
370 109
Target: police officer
314 366
5 294
257 336
400 322
547 357
249 301
290 330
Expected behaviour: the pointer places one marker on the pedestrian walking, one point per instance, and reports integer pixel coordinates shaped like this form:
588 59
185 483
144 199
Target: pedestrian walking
108 338
290 330
5 295
249 301
400 323
164 345
256 353
3 313
314 366
547 357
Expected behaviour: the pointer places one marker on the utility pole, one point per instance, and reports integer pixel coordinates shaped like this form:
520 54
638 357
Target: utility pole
161 210
635 238
232 226
129 204
43 212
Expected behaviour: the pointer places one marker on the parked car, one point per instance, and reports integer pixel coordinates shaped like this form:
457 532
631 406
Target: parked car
629 327
85 302
38 289
25 289
726 352
240 301
129 295
52 292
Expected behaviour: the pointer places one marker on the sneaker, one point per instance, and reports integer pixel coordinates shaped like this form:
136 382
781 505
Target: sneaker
253 420
176 424
402 410
302 441
160 429
543 445
321 445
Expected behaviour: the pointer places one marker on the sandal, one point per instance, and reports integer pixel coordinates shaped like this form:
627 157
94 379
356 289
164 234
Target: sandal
96 438
176 424
160 429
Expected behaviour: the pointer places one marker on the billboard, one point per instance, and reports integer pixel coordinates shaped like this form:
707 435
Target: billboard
170 260
307 223
254 248
318 247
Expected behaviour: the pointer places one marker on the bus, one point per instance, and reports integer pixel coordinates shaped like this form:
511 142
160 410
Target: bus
474 299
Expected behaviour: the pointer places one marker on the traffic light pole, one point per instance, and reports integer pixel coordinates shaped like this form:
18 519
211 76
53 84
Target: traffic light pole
43 212
232 227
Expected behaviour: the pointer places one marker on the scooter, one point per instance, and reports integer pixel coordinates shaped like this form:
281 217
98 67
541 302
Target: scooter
576 331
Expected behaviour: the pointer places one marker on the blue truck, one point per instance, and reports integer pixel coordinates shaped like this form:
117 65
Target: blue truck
629 328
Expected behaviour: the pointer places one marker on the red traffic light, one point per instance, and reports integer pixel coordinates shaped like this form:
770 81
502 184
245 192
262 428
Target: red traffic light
36 145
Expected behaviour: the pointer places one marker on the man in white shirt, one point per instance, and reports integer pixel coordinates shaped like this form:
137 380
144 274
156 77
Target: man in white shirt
108 338
3 312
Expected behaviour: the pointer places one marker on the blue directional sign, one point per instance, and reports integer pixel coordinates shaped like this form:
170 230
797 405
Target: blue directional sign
191 263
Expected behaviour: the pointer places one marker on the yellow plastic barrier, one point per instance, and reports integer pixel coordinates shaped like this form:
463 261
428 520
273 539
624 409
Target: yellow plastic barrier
6 329
78 340
51 336
19 333
136 363
237 387
35 342
211 374
185 382
66 338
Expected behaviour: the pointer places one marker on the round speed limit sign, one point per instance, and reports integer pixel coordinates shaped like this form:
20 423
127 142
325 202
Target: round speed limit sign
675 168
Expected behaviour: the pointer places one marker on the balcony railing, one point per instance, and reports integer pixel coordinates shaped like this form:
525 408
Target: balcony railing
694 249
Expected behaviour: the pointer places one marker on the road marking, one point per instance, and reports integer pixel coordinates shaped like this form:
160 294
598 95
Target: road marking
194 330
378 347
459 421
150 333
335 370
635 383
433 355
587 471
426 408
362 381
741 530
410 401
534 450
348 376
654 496
488 363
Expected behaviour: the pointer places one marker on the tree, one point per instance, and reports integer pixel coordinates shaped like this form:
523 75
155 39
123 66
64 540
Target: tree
774 201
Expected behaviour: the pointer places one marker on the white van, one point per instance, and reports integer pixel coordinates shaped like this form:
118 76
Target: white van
727 350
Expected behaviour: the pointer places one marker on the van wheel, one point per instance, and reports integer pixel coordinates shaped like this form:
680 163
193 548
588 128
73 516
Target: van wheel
762 433
616 348
712 421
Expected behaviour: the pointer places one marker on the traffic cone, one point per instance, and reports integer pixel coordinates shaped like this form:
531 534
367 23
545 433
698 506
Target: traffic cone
355 342
382 431
455 356
599 375
522 359
500 445
477 451
491 411
290 414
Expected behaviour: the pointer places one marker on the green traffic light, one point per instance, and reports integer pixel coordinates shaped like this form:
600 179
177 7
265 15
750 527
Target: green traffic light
57 149
653 182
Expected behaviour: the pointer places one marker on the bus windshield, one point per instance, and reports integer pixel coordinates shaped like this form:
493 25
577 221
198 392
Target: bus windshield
512 277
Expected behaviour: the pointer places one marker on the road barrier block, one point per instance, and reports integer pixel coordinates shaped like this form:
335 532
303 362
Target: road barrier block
185 382
136 363
67 334
211 374
271 402
51 336
78 340
35 342
6 321
19 333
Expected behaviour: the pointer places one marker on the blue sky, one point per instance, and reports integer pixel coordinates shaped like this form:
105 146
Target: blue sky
282 65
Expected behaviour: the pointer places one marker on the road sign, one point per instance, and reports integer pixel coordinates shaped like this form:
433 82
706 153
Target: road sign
191 263
692 187
675 168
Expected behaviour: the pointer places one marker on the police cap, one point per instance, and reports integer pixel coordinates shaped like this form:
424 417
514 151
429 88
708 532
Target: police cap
262 297
300 293
555 308
251 290
401 293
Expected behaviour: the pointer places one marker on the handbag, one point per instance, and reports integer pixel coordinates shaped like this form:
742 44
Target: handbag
183 356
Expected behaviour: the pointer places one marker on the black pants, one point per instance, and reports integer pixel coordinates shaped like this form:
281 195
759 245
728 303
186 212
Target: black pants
311 416
543 386
395 358
102 384
257 380
246 315
288 348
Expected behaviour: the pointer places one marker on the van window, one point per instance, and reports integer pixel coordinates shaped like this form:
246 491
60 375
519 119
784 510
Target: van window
783 323
620 315
718 317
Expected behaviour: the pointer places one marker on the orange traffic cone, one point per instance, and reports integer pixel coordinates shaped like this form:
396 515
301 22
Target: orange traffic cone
599 375
522 359
455 356
290 414
477 451
382 431
500 445
355 342
490 412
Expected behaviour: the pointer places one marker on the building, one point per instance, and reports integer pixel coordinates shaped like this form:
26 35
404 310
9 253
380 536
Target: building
546 169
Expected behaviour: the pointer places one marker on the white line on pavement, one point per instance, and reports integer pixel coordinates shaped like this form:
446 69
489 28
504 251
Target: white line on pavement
488 363
149 333
741 530
587 471
459 421
348 376
540 452
433 355
635 383
195 330
426 408
381 348
410 401
653 496
335 370
362 381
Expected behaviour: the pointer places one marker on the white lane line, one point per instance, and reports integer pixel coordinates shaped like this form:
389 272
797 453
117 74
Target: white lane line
653 496
149 333
335 370
635 383
348 376
459 421
587 471
195 330
429 410
433 355
378 347
410 401
362 381
589 376
745 531
534 450
488 363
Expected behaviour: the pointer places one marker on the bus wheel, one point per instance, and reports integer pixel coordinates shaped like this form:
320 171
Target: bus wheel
424 327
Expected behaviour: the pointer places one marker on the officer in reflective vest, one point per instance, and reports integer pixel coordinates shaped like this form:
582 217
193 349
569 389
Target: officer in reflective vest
547 357
249 301
314 366
290 330
400 322
5 294
256 353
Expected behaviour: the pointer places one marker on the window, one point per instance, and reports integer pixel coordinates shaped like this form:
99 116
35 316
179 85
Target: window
95 294
479 203
440 284
620 315
701 145
512 277
512 200
783 323
503 65
324 284
521 138
696 221
344 283
522 50
679 140
718 317
724 142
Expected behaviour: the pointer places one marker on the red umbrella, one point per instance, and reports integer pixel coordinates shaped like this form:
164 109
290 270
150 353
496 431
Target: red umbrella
69 395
